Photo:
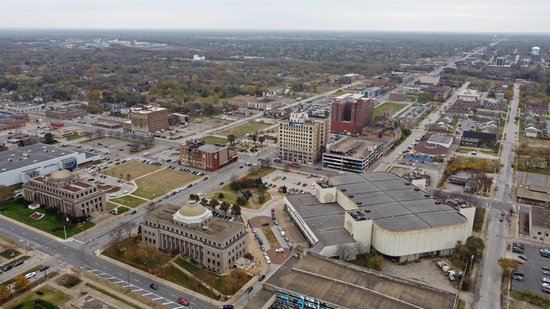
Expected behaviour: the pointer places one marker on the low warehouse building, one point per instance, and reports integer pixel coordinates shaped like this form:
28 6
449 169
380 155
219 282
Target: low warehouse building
383 212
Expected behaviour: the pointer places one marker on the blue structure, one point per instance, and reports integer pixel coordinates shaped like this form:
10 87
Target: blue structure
372 92
423 159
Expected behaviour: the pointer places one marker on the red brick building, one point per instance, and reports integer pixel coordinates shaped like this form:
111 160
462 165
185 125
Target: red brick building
66 113
149 119
195 153
351 115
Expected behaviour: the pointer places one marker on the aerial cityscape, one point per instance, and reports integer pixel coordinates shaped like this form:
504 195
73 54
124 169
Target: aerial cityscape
274 155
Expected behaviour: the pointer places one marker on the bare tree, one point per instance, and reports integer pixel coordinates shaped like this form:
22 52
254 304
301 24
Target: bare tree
100 133
361 248
115 236
345 252
128 227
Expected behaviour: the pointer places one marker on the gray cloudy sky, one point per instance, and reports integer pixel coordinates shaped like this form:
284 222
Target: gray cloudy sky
390 15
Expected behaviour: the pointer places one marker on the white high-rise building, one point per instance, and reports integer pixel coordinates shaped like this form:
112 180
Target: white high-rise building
535 51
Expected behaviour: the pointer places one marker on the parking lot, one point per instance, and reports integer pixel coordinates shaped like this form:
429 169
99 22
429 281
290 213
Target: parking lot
532 279
295 183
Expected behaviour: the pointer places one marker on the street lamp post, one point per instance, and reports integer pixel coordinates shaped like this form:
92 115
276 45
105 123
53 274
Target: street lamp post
128 281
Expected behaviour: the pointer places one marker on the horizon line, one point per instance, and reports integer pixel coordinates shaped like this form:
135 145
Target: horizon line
266 30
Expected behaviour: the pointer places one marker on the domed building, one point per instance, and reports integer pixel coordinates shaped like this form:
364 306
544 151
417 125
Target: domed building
66 192
193 230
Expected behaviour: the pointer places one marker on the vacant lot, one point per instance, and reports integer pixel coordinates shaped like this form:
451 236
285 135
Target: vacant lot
129 200
50 295
245 128
50 223
161 182
214 140
130 170
393 106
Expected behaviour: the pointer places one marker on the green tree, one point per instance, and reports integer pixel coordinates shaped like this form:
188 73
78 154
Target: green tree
94 96
203 202
236 210
48 138
224 206
6 193
221 196
213 203
241 200
194 197
262 198
261 139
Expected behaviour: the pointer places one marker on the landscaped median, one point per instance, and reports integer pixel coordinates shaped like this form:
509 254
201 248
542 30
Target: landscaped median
50 222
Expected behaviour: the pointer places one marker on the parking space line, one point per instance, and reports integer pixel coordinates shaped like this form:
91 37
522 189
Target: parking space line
167 303
147 294
137 290
158 298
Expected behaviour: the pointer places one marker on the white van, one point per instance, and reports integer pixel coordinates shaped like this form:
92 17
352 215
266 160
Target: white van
283 233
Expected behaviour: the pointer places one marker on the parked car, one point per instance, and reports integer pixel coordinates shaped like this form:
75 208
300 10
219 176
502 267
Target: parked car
45 267
279 250
30 275
182 301
523 257
261 277
154 286
249 289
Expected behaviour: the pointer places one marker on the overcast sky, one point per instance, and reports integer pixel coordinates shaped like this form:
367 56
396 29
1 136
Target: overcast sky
387 15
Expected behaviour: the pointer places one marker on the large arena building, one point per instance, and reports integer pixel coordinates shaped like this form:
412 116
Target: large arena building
383 212
21 164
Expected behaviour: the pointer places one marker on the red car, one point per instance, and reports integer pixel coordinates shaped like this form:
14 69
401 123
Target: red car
182 301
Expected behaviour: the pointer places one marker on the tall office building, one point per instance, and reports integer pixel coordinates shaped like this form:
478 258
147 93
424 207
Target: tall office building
501 61
351 115
303 138
148 119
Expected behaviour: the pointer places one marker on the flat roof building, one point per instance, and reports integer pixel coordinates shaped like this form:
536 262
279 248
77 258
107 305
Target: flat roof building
354 154
302 139
149 119
533 195
66 113
192 230
195 153
351 116
383 212
316 282
21 164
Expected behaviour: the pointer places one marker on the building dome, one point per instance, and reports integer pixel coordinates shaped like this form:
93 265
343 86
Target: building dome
192 213
61 175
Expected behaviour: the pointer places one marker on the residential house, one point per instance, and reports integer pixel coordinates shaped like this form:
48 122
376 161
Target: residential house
532 131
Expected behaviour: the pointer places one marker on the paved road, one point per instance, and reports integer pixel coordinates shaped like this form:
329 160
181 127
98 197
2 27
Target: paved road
488 294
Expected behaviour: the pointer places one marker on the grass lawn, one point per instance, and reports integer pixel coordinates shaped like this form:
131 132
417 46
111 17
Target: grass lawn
73 136
214 140
394 106
273 242
478 219
261 172
6 253
50 223
161 182
176 276
51 295
121 210
129 201
223 284
133 168
243 129
230 196
522 167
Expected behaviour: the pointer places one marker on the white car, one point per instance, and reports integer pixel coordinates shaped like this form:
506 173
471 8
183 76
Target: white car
267 259
125 191
279 250
545 280
113 195
30 275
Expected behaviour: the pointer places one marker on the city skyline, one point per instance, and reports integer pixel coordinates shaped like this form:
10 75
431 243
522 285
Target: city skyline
392 15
